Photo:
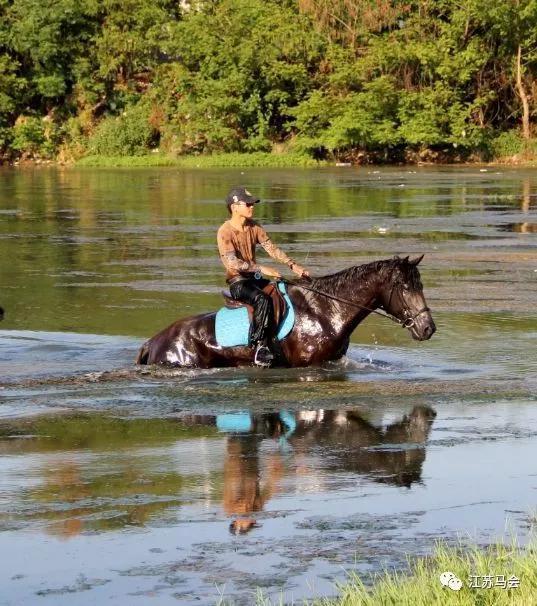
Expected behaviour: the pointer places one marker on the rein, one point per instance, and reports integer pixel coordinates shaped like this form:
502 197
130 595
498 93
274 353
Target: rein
406 323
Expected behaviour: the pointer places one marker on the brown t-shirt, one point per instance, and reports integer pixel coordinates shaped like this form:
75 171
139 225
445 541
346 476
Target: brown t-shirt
237 248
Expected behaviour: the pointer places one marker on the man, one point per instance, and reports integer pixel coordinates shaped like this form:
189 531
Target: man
237 239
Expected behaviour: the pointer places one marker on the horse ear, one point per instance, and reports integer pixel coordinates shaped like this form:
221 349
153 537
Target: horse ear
416 261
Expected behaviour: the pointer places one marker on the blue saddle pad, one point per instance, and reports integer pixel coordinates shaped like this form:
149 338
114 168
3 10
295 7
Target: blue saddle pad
232 325
234 422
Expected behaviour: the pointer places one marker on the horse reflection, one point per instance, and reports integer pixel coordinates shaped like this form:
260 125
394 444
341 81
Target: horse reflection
393 454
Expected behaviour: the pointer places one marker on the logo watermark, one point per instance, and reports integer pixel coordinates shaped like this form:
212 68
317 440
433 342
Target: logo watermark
480 581
448 579
488 581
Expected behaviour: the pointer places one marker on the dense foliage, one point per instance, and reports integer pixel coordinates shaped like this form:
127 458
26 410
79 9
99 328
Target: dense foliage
381 79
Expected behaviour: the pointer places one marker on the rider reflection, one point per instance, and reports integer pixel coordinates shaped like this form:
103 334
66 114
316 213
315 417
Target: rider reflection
246 488
392 454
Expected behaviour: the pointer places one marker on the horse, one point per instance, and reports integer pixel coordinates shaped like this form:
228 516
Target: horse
327 310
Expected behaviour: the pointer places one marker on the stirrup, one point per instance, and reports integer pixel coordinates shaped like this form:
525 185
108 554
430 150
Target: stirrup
263 356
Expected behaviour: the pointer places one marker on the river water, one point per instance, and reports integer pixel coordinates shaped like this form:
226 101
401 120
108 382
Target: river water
122 484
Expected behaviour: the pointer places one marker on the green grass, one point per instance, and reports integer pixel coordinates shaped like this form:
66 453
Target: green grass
422 587
232 160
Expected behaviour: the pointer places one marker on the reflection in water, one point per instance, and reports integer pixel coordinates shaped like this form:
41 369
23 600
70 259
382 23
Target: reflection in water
245 491
524 227
394 454
92 473
521 228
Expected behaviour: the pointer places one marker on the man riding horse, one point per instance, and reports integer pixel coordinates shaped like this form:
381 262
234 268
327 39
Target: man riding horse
320 315
237 239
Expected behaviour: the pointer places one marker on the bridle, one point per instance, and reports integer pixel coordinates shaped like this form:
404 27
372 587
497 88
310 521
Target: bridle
409 320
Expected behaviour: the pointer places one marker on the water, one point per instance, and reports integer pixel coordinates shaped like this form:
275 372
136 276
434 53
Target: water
121 483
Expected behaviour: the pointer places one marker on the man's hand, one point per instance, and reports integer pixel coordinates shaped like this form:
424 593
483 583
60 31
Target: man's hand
300 271
269 271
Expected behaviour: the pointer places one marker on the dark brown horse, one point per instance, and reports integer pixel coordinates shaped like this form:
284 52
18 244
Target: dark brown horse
327 310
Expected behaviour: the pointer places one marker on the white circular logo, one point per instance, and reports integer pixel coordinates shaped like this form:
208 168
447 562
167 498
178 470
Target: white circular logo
448 579
455 584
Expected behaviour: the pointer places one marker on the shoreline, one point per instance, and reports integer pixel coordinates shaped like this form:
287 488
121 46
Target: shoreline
247 160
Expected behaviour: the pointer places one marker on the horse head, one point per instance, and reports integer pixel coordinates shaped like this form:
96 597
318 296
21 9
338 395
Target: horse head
403 298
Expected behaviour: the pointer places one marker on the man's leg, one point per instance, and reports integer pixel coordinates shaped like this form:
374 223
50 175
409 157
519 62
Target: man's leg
261 331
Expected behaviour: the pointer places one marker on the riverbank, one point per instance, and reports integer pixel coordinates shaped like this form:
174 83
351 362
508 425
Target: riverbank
252 160
498 574
231 160
262 160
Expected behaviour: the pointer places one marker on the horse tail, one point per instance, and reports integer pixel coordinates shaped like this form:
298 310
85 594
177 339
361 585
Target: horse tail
143 354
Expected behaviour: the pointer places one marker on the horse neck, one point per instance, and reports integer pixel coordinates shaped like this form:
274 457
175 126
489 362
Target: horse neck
364 293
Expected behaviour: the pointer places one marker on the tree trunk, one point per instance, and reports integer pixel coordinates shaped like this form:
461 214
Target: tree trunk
526 131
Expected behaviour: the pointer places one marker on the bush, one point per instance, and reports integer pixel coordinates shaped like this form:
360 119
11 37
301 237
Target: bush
130 134
33 136
6 137
507 144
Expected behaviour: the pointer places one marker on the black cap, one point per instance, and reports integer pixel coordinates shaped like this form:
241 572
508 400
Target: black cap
240 194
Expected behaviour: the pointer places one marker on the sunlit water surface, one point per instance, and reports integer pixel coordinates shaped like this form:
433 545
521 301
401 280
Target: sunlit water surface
120 484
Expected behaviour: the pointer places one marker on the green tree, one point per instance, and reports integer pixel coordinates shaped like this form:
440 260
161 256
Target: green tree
240 66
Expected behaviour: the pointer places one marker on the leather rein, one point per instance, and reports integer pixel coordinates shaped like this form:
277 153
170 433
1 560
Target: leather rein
408 322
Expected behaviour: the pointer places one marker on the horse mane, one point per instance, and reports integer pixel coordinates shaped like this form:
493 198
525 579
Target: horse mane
384 268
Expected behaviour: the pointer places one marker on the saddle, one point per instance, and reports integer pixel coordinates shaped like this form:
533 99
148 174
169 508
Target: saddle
233 321
279 304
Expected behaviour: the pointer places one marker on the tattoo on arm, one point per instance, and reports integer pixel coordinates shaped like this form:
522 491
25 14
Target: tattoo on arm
231 261
275 252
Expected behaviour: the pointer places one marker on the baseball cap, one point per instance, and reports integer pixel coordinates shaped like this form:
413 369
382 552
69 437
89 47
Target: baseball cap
240 194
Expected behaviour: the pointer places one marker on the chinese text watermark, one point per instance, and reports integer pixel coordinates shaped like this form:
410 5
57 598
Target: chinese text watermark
480 581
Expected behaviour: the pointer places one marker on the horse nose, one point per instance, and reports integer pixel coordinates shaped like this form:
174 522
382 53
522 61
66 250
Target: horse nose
429 331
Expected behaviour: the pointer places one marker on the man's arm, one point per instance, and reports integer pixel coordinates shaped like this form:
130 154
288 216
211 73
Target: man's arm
277 253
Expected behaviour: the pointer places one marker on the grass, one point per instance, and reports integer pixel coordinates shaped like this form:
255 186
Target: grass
232 160
422 587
